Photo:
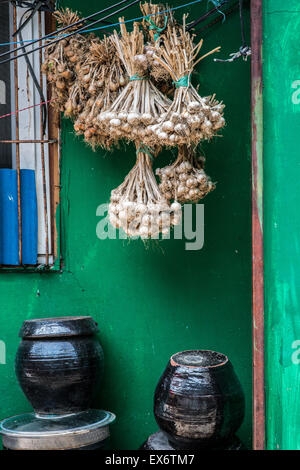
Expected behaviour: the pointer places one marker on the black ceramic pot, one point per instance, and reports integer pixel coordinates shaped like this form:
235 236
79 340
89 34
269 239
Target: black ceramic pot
59 364
199 400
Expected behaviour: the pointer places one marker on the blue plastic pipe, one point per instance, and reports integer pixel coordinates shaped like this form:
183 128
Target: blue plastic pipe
9 223
28 216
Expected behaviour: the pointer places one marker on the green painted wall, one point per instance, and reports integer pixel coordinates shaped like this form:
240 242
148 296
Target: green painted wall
150 302
282 221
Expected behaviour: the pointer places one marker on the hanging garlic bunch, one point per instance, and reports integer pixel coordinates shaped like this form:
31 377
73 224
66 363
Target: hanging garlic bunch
102 68
102 76
62 57
140 104
137 205
185 180
190 118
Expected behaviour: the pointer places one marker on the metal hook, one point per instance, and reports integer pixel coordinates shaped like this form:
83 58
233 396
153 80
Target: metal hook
244 52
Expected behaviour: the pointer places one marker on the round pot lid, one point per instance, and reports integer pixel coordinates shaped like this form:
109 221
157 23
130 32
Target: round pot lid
30 431
59 326
30 424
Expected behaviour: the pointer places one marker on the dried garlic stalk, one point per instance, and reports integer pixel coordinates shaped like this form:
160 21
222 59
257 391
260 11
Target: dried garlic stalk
190 118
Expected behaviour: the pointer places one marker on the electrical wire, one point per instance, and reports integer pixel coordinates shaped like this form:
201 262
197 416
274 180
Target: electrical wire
67 35
36 5
228 11
24 109
50 35
101 27
83 30
45 5
242 22
132 20
206 15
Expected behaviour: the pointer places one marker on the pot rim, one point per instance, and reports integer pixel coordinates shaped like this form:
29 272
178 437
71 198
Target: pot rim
173 362
58 327
73 317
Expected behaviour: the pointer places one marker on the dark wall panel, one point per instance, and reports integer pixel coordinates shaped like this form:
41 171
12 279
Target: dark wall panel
5 94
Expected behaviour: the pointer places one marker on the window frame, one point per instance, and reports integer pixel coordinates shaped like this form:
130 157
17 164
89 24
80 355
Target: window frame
50 260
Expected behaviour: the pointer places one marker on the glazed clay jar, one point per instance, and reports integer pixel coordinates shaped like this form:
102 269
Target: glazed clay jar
199 401
59 364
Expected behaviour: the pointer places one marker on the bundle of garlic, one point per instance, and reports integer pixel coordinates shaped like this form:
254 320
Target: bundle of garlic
102 67
137 205
101 76
62 57
185 180
140 104
190 118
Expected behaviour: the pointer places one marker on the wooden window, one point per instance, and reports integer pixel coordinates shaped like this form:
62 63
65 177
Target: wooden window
29 139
